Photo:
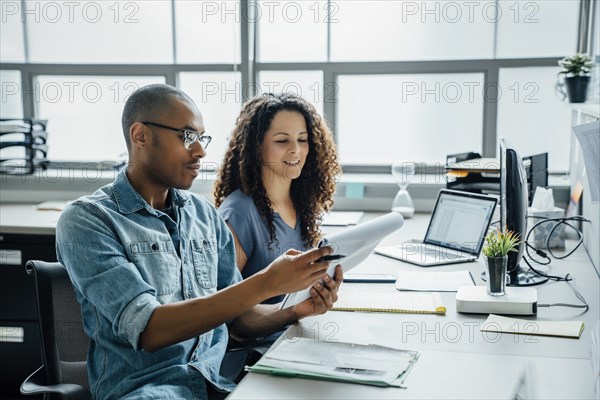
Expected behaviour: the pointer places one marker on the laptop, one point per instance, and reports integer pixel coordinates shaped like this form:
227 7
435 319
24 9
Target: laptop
456 231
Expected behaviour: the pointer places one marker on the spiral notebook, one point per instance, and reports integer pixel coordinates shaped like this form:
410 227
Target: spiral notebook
403 303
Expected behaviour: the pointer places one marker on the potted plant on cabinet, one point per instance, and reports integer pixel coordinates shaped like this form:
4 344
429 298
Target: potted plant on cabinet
495 251
576 70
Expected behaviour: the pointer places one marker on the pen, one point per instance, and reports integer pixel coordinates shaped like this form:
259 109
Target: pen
331 257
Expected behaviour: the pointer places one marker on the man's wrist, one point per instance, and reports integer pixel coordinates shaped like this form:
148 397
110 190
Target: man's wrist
263 281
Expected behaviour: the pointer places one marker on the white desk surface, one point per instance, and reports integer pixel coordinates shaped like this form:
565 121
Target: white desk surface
457 360
26 219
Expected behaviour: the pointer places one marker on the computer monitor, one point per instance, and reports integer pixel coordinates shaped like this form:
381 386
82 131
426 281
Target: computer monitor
513 211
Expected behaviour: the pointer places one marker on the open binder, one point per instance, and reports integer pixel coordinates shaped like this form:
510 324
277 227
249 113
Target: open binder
337 361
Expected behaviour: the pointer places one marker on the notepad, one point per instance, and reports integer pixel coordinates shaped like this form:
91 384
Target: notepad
433 281
497 323
403 303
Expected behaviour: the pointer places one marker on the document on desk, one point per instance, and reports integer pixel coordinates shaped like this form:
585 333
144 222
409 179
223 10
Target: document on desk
433 281
401 303
567 329
338 361
342 218
52 205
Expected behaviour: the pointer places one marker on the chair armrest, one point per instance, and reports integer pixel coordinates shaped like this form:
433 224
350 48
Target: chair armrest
33 385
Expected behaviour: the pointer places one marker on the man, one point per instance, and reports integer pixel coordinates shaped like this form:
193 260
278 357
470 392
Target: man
154 269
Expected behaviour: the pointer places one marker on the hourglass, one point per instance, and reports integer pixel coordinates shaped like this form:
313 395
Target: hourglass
403 171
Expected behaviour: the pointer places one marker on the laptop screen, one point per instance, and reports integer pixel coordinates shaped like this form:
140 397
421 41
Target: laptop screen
460 221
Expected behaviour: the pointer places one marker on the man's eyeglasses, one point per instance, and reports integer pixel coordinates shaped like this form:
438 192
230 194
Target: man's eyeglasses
189 137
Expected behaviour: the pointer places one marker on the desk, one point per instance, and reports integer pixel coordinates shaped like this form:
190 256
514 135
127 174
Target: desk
457 360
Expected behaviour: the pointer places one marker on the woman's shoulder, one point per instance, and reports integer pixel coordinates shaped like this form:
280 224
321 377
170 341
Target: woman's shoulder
238 200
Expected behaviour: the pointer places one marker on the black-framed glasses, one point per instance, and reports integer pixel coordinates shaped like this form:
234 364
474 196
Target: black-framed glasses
189 137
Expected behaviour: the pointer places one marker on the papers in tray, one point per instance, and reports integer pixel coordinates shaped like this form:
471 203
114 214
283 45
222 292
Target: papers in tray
52 205
568 329
356 243
403 303
433 281
338 361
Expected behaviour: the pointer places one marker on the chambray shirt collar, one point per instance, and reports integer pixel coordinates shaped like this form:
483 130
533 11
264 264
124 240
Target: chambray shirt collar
129 200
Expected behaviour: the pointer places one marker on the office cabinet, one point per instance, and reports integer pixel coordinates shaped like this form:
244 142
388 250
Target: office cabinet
18 308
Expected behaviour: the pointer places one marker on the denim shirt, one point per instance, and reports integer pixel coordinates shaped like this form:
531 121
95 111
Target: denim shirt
121 257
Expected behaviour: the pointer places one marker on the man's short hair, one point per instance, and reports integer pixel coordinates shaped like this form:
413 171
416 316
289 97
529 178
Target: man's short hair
147 104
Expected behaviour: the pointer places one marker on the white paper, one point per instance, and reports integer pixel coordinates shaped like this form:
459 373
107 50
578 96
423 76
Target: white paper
433 281
357 243
589 139
497 323
342 218
52 205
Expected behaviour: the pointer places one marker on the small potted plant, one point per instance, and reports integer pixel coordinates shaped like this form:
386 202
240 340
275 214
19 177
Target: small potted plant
576 70
495 250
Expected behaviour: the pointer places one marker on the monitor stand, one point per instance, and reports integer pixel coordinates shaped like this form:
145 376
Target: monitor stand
521 277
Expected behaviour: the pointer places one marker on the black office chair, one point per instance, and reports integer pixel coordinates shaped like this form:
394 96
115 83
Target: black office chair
64 343
240 354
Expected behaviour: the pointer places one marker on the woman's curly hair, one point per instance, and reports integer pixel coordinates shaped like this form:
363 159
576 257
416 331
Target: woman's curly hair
312 192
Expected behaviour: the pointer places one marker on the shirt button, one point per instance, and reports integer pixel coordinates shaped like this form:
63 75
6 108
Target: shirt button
189 293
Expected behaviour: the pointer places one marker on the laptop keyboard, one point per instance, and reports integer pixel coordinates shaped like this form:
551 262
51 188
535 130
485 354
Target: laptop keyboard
429 252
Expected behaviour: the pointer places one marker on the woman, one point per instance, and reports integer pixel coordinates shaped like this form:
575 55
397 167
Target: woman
276 180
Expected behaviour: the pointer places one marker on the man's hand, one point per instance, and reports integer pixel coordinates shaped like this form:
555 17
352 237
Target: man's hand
294 270
291 272
322 296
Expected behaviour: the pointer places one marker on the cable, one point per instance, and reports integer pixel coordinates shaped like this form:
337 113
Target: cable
542 253
585 305
550 277
539 253
560 221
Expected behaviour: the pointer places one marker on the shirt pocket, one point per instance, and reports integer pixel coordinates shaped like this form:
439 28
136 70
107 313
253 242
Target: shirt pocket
205 258
158 264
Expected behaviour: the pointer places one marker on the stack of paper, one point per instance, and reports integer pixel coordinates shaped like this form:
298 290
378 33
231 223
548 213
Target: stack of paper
496 323
338 361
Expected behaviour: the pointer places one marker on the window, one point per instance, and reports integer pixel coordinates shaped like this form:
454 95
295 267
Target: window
99 31
291 31
546 28
219 98
416 117
411 30
12 106
208 31
12 47
84 114
525 105
308 84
